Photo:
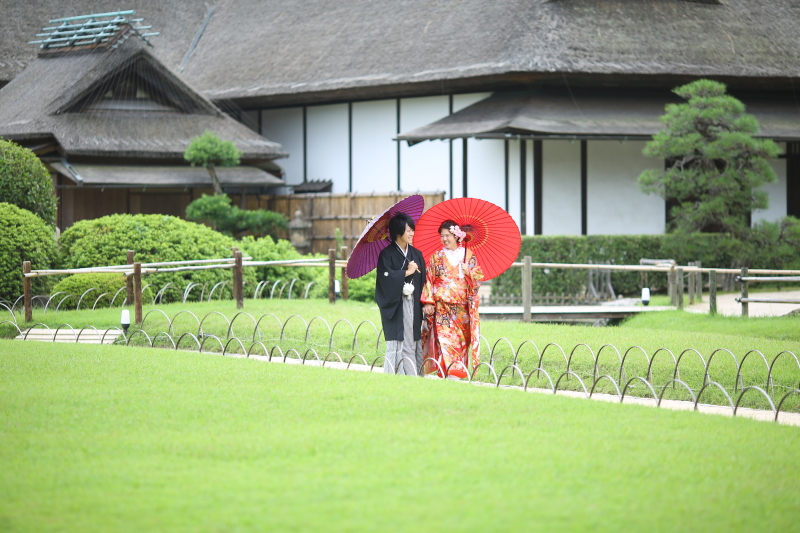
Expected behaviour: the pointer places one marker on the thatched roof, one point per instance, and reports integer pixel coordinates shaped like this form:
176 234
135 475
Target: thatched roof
111 176
271 52
63 95
577 115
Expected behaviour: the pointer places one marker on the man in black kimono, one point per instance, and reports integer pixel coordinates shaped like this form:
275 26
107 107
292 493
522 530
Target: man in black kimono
398 287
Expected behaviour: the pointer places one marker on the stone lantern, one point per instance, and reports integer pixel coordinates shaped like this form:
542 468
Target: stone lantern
299 229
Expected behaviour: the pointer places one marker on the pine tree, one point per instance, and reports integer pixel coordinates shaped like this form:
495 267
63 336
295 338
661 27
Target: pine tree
210 151
715 165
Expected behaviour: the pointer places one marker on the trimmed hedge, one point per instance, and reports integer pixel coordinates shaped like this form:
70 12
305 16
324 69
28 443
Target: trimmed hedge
269 249
23 237
25 182
154 238
77 284
772 245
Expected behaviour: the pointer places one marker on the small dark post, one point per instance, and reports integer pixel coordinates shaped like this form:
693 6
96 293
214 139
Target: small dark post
526 289
129 281
712 292
137 293
745 305
332 275
238 279
26 284
679 287
344 274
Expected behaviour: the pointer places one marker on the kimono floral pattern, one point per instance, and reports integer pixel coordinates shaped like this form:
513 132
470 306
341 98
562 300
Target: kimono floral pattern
453 331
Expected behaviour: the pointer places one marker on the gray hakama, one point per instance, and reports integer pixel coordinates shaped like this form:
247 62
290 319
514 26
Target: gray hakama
405 355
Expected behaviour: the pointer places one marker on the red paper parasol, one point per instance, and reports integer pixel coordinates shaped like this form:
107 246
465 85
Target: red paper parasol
375 236
491 232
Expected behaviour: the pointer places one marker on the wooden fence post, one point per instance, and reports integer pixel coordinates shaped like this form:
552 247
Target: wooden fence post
698 284
137 293
332 275
690 282
344 274
526 289
673 299
238 278
712 292
129 281
679 287
745 305
26 285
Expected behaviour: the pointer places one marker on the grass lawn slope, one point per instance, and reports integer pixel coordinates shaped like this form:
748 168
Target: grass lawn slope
129 439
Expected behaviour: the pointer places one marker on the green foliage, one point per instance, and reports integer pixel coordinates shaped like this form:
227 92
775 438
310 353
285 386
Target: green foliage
23 237
269 249
362 289
154 238
615 249
773 245
108 284
208 150
715 165
25 182
221 215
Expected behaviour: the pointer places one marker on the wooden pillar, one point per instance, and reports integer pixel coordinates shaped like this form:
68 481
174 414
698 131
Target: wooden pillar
344 274
690 278
679 287
712 292
332 275
238 279
699 284
26 285
137 293
745 305
526 289
673 299
129 281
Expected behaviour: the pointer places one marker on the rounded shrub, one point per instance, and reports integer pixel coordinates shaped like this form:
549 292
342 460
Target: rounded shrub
23 237
362 289
104 284
269 249
25 182
154 239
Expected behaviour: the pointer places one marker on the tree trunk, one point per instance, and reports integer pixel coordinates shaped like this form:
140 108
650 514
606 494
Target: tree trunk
215 180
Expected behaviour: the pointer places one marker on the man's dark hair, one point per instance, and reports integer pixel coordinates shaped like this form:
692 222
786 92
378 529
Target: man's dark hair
397 225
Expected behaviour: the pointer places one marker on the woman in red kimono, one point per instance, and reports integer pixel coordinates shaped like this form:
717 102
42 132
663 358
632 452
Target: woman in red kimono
450 302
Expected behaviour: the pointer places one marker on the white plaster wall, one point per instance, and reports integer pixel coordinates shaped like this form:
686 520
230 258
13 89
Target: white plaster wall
777 193
561 188
327 145
514 203
486 170
426 165
374 150
615 204
285 126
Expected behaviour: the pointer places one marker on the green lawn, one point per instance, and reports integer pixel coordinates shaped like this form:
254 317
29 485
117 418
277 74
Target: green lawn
688 341
131 439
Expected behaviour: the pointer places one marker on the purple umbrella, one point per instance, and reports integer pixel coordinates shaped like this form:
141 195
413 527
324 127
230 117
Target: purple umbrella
375 236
